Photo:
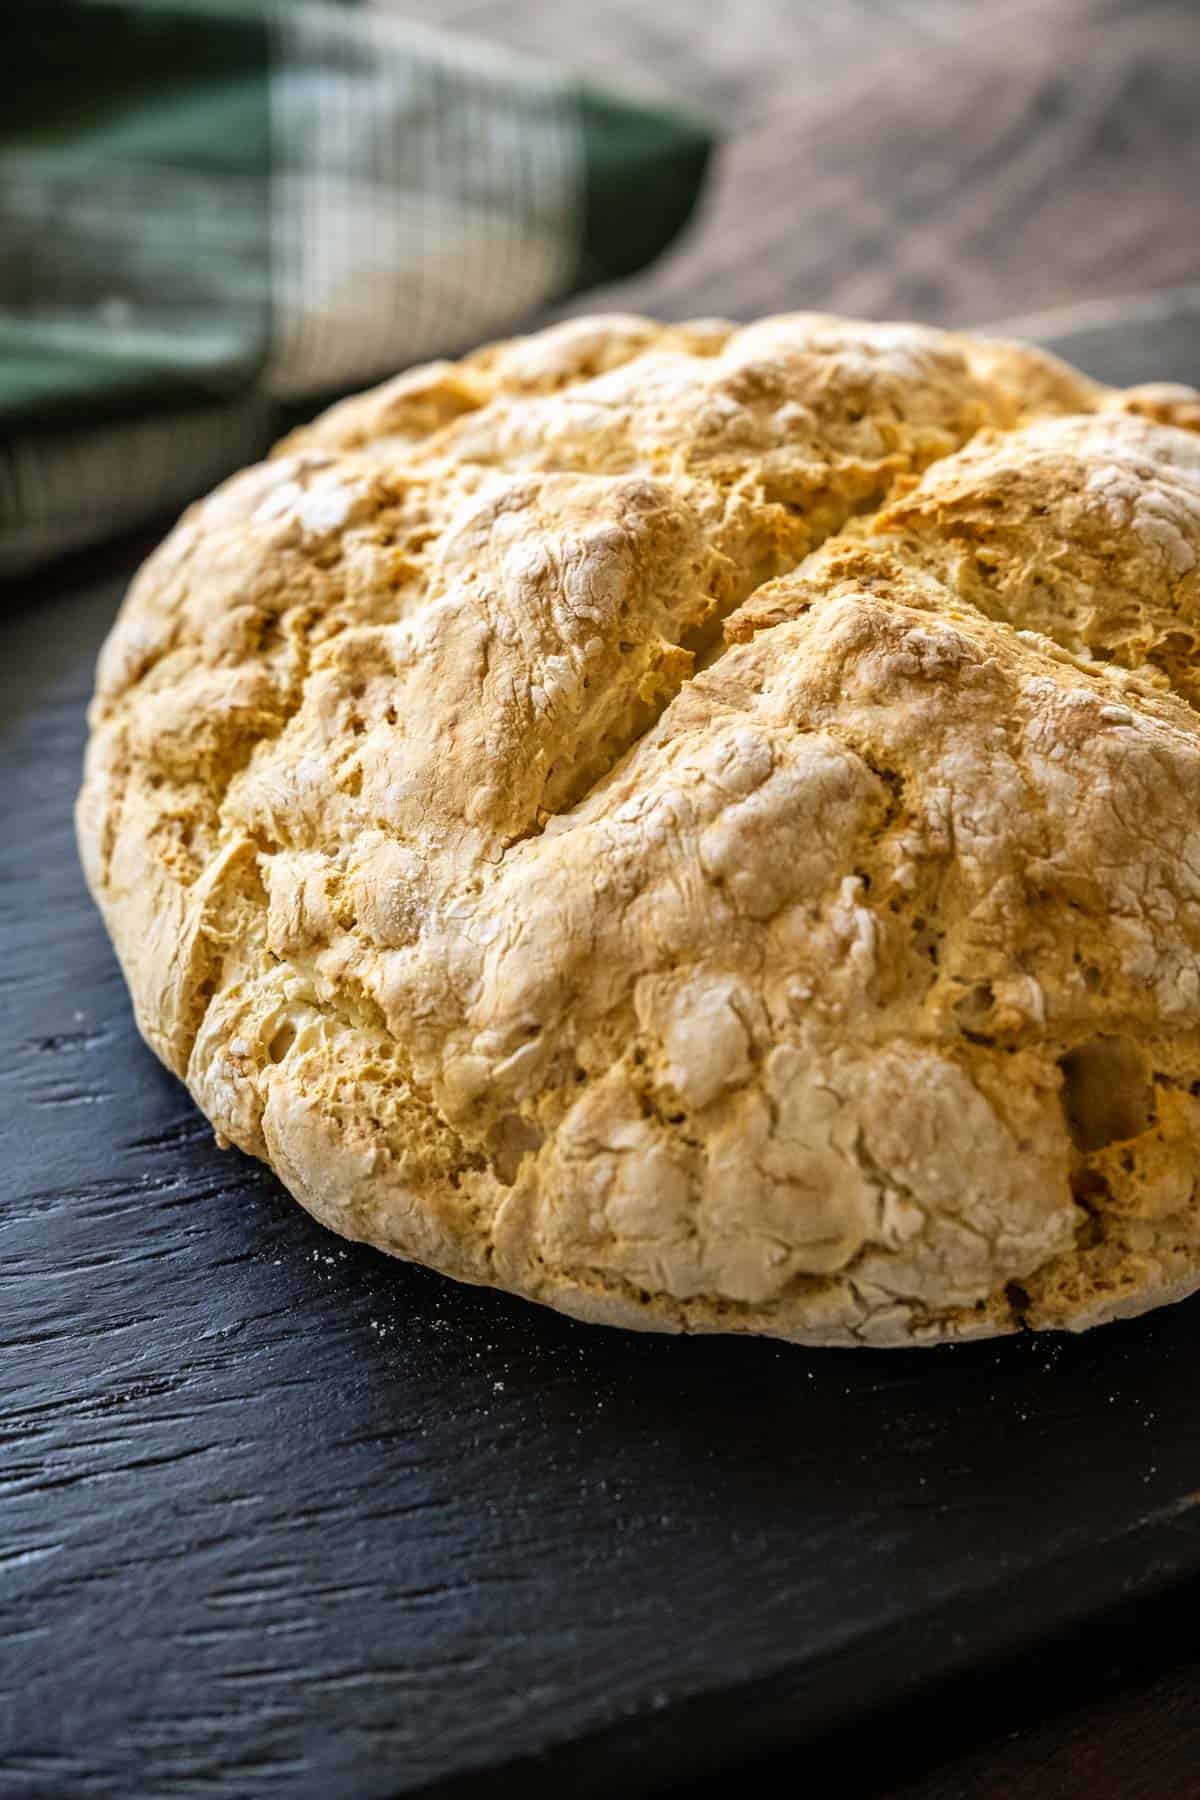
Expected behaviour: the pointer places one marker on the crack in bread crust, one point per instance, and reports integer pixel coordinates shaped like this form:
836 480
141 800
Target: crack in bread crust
683 822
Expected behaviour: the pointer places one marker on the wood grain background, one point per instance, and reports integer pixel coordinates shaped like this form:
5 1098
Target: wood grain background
951 160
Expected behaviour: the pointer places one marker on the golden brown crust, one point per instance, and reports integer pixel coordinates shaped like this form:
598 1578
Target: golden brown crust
694 825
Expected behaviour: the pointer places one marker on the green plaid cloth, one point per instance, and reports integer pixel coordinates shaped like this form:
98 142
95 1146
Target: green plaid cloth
214 210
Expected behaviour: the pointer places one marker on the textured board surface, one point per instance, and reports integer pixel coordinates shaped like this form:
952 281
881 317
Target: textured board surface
278 1516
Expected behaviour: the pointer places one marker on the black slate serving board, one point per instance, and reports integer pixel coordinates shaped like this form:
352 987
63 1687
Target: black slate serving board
281 1517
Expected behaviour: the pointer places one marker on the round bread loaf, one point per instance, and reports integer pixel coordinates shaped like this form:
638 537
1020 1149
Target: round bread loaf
697 826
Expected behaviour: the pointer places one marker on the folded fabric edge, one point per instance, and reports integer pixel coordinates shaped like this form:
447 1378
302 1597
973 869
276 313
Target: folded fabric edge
61 491
644 165
599 183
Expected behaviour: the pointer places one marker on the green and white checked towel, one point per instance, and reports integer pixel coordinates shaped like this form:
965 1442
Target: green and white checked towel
214 210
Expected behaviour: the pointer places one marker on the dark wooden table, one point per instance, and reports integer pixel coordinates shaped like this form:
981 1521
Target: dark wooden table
218 1412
